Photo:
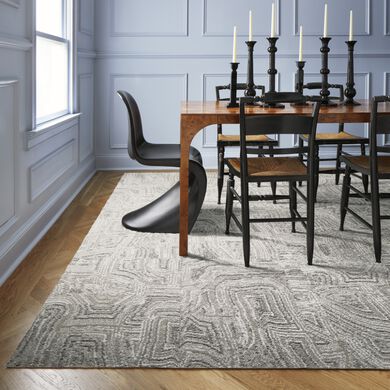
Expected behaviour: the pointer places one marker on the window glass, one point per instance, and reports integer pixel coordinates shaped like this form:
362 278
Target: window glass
51 79
49 17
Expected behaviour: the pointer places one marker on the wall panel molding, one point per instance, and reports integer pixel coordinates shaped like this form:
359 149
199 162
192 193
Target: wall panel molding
229 32
83 17
181 32
367 19
15 43
104 55
12 3
9 127
386 17
86 93
44 173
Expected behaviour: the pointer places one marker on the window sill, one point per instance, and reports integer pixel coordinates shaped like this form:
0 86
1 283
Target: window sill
49 129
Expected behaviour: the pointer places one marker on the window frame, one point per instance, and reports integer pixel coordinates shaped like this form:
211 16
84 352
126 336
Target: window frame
68 38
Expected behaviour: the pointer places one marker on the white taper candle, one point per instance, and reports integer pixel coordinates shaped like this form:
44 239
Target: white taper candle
326 21
300 44
250 26
234 59
273 21
351 25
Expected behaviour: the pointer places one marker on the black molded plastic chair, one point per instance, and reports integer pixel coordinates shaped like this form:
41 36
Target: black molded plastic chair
273 169
374 166
338 139
227 140
162 215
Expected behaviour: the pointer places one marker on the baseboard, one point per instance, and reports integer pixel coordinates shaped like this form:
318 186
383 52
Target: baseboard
29 234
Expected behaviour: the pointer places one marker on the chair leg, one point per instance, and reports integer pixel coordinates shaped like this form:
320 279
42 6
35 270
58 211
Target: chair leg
317 171
221 168
310 220
245 222
364 177
259 155
345 196
293 203
338 163
376 219
273 183
229 202
300 144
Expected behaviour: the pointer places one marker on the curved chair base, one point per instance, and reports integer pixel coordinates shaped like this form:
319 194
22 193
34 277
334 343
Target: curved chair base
163 214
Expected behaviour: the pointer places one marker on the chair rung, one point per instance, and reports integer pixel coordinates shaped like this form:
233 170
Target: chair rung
357 216
300 193
360 193
238 223
261 220
302 219
267 197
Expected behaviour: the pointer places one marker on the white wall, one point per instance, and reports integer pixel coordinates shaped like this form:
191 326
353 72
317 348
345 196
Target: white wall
166 51
39 176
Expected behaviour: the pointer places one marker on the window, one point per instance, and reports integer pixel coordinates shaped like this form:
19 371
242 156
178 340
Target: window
53 64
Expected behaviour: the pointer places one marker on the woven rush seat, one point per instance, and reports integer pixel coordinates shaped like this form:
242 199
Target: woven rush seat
341 136
362 164
249 138
270 167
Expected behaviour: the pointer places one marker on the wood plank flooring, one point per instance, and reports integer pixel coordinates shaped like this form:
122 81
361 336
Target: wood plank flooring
22 296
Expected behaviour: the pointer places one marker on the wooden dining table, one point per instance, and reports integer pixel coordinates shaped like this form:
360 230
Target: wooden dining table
196 115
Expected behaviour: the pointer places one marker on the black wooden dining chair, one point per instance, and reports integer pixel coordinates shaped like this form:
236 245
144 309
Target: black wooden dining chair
273 169
339 139
226 140
162 215
374 166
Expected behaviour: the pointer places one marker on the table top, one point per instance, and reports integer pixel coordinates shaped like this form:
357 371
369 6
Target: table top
332 114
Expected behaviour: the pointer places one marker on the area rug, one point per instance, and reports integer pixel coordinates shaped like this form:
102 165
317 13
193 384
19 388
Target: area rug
128 300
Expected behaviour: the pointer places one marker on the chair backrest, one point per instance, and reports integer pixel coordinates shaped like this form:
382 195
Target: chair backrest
240 87
337 87
251 124
379 124
136 136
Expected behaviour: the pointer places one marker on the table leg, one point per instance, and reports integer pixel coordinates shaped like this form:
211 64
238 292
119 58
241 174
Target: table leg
184 167
189 126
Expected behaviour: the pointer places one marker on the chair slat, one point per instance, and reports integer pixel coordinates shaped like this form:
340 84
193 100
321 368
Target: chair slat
383 124
278 124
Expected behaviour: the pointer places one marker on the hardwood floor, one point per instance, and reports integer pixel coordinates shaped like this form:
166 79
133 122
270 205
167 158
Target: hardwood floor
22 296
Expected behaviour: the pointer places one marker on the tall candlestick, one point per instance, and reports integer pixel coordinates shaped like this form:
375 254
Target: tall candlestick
326 21
234 44
350 26
273 21
300 44
250 27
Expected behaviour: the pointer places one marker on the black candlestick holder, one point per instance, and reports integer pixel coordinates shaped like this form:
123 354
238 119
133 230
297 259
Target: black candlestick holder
350 91
300 80
325 72
272 71
250 84
233 86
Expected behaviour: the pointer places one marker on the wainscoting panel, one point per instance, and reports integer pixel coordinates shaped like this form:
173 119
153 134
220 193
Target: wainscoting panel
8 129
86 92
338 16
217 26
45 172
169 90
86 17
133 18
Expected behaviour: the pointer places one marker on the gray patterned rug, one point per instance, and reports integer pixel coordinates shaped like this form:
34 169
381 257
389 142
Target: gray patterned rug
128 300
